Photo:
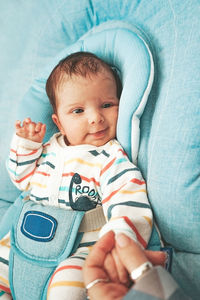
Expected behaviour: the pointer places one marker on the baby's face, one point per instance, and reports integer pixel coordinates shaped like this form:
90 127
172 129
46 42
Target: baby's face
87 109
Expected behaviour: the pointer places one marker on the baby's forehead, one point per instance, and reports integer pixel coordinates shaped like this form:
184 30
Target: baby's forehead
103 72
71 84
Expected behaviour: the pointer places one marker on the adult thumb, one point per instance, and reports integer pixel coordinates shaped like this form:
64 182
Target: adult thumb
130 252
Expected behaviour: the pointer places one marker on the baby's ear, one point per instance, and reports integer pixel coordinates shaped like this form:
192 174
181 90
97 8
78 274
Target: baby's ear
57 122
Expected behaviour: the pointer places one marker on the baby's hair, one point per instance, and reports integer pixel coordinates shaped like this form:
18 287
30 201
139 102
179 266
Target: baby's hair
81 64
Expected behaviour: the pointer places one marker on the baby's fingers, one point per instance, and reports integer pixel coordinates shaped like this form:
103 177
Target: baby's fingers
40 130
43 129
110 267
26 122
38 127
20 128
18 124
122 272
31 128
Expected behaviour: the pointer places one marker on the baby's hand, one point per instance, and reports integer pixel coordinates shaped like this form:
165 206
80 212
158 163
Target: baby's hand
30 130
115 268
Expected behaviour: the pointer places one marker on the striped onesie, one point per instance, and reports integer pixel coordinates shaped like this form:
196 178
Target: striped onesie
81 178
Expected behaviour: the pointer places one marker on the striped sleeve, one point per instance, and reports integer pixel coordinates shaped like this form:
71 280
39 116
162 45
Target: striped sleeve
22 161
124 201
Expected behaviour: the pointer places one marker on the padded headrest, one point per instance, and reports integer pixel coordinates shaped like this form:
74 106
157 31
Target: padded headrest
123 47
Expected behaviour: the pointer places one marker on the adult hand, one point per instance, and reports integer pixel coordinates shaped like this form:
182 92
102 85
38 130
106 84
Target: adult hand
94 268
130 254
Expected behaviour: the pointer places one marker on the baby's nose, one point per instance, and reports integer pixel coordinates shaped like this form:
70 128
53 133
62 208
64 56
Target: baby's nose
95 117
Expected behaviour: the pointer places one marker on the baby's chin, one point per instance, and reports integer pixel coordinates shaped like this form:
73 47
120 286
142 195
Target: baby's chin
99 143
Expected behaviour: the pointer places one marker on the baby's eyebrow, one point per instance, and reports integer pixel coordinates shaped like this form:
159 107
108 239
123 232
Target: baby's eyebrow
74 105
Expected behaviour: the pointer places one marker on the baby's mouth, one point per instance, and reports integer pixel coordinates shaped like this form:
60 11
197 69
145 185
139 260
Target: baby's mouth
99 134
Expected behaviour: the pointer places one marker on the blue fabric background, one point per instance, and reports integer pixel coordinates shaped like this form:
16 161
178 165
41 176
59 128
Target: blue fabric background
34 31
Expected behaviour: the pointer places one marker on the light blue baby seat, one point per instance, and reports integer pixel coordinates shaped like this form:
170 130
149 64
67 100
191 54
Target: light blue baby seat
36 31
43 236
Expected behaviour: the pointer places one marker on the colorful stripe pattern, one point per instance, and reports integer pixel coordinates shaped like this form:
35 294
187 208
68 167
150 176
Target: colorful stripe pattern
68 278
4 261
105 177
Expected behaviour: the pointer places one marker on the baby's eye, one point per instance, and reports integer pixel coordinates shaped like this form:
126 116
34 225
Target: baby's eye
106 105
77 111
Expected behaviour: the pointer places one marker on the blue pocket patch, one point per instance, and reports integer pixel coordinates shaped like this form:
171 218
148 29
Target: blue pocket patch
38 226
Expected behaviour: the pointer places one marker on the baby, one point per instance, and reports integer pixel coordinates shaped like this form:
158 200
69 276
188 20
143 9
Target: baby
82 167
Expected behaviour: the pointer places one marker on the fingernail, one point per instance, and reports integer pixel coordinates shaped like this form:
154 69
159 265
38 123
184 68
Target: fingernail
122 240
